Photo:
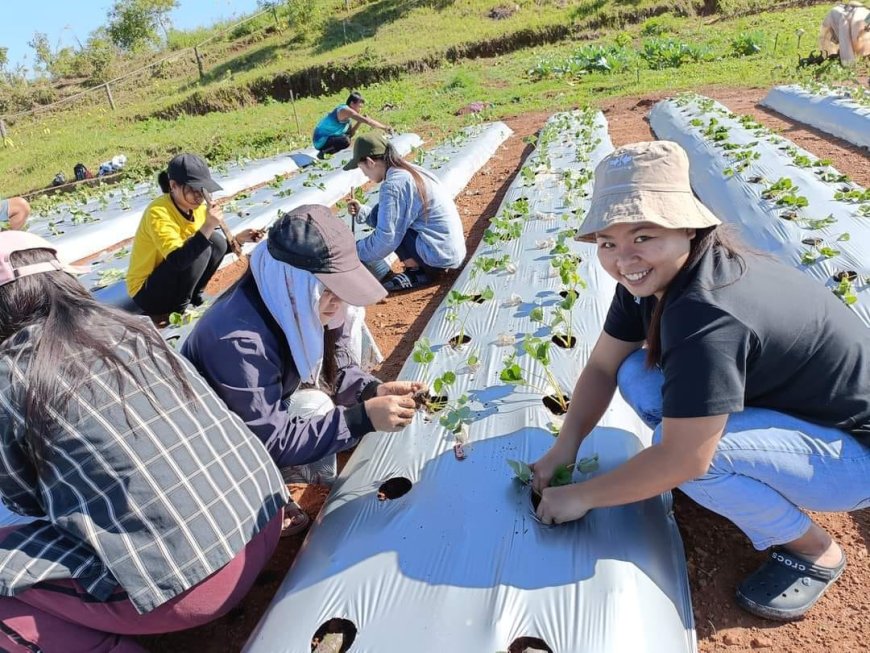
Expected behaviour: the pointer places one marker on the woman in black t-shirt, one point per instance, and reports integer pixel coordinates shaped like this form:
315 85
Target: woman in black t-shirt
755 378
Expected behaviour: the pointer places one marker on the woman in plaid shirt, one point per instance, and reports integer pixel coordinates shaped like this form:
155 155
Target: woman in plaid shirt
149 507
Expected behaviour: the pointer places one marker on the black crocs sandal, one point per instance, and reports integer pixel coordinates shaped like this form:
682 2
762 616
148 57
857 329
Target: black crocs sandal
786 586
407 280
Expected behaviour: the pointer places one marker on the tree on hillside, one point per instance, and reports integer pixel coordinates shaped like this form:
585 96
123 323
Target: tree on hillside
134 23
42 48
4 58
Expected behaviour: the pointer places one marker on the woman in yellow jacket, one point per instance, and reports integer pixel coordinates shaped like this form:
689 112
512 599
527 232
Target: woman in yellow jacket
178 245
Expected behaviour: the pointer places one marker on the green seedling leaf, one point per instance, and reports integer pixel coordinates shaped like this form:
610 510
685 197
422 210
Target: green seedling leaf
562 476
537 314
522 471
587 465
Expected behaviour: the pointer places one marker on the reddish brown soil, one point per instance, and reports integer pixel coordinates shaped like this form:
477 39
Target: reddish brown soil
719 556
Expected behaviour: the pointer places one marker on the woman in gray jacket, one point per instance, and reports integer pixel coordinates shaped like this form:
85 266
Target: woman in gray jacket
415 217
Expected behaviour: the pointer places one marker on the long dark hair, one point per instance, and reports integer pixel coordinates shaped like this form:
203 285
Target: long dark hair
163 181
726 240
72 323
394 160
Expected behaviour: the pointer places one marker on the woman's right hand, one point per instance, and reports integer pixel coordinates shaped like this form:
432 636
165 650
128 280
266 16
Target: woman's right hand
391 412
353 207
214 215
545 468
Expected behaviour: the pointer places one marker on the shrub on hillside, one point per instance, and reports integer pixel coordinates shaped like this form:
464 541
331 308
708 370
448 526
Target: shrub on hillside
658 25
588 59
747 43
663 53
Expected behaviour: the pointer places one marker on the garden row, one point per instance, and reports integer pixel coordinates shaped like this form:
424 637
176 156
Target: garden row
95 219
841 111
454 162
782 198
433 516
321 183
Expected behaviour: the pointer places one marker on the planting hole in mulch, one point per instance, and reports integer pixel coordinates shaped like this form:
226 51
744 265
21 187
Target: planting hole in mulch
335 626
529 645
477 298
564 341
393 488
789 215
812 242
456 341
551 403
851 275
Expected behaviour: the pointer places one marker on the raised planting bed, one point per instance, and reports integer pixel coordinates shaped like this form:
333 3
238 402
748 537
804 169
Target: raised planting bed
468 151
88 223
783 199
457 561
841 111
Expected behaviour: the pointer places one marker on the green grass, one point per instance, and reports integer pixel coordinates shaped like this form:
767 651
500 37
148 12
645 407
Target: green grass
423 102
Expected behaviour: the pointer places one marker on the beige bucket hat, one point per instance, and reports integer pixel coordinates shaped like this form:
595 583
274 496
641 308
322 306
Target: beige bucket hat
644 182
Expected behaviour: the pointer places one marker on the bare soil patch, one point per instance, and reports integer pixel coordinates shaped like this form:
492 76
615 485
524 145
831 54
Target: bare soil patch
718 554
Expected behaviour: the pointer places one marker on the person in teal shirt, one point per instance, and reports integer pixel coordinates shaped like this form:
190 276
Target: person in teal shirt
334 131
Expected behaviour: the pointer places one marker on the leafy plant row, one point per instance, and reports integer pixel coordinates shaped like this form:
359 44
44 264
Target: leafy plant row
804 202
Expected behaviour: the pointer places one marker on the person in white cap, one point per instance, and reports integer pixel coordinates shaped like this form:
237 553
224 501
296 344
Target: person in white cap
148 506
755 377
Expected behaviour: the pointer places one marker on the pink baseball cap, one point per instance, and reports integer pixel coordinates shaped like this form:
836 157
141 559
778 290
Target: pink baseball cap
19 241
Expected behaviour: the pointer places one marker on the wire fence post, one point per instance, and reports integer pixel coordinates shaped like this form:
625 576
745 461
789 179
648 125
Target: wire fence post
3 133
198 62
109 95
295 115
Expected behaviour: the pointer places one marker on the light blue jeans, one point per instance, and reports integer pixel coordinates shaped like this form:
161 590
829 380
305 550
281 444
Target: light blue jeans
767 466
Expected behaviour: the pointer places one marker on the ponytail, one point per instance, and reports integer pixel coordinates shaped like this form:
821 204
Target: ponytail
163 181
394 160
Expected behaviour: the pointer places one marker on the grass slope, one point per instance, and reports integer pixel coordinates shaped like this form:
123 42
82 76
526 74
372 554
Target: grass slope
424 102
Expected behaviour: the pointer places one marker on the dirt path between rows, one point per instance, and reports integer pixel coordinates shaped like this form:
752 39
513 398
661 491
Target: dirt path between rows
719 555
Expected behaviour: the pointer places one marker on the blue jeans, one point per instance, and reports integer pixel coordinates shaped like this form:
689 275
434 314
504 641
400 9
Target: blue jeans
767 466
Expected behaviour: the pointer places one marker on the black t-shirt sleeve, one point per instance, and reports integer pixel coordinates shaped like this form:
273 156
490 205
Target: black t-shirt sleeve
705 355
625 318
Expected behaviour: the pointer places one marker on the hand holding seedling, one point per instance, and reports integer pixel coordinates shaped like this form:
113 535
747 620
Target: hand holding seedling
249 236
391 412
546 469
561 504
400 388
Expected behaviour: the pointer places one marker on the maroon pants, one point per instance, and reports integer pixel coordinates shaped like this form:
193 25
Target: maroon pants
57 617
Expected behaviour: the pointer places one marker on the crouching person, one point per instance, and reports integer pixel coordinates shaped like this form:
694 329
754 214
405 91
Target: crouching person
153 507
14 212
178 245
274 348
846 31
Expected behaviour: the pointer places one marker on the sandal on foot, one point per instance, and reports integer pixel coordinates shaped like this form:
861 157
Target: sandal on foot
786 586
407 280
296 520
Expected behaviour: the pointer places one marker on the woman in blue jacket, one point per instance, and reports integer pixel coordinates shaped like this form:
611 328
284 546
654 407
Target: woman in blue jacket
415 216
274 348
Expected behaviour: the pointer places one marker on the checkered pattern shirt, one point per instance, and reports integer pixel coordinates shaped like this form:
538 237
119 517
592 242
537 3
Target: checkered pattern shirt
153 501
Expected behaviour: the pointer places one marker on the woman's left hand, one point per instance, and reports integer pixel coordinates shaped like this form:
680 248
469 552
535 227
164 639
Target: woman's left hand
562 504
249 236
399 388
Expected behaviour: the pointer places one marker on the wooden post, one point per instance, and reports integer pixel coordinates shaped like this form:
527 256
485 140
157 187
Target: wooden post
109 95
295 115
198 62
3 133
